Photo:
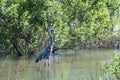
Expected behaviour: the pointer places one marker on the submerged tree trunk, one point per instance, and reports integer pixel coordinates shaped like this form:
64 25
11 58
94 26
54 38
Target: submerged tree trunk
17 49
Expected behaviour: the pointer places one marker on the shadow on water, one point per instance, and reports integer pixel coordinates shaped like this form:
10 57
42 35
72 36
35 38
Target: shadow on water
81 65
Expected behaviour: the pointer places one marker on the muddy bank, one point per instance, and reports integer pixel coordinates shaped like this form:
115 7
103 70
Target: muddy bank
100 43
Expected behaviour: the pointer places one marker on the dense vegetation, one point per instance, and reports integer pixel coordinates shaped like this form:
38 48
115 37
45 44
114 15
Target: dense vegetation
113 69
84 23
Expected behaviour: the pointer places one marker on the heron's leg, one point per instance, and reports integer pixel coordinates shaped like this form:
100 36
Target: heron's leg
57 59
38 72
51 57
47 62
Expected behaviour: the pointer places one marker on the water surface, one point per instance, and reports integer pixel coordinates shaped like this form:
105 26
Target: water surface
72 65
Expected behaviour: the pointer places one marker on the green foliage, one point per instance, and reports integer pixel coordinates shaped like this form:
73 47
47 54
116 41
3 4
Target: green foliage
113 68
23 23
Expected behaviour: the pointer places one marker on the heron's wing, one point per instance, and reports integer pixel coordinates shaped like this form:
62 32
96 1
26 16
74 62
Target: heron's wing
38 58
44 54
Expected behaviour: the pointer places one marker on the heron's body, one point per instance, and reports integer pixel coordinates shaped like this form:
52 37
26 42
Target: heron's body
45 54
48 50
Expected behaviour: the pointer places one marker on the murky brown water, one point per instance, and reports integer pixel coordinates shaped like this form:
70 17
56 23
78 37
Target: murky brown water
82 65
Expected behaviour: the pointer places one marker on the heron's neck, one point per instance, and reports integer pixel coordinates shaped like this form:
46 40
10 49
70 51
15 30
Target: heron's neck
51 38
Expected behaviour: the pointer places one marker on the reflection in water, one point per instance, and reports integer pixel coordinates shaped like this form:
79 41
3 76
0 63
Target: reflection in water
82 65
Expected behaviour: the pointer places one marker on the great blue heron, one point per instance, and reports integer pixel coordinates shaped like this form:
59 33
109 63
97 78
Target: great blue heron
48 50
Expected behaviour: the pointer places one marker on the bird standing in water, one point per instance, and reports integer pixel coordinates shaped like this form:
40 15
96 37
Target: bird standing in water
48 50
